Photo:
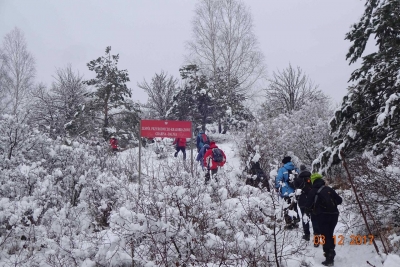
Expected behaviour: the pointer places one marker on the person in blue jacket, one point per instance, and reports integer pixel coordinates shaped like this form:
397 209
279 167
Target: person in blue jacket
200 155
201 140
287 192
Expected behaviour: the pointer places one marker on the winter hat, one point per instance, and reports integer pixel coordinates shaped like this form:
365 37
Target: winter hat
286 159
302 167
212 143
315 176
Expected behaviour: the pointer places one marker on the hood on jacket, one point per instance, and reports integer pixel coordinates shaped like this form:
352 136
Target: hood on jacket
318 183
289 166
213 145
315 176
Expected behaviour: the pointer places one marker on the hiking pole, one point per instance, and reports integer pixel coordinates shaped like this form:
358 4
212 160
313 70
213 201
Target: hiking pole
358 200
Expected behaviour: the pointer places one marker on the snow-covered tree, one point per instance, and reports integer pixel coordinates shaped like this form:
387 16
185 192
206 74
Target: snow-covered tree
18 71
160 93
303 134
57 110
195 101
369 117
289 90
223 37
111 98
231 111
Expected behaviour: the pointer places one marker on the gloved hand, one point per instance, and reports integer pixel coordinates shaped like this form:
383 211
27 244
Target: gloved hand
308 212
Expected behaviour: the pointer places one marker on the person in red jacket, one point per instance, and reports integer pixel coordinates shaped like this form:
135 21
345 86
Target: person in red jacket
180 146
213 158
114 143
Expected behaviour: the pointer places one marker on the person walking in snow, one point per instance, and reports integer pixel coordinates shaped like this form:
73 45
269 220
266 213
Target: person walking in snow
180 146
114 143
213 158
287 192
322 200
256 170
200 155
201 140
303 182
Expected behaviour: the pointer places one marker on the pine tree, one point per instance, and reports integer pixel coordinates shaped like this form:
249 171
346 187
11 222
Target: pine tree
112 96
230 102
195 101
369 118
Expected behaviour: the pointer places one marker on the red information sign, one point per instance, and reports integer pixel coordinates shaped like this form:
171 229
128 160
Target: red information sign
172 129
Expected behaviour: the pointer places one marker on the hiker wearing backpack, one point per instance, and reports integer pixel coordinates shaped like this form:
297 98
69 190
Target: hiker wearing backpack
283 185
201 140
303 182
213 158
180 146
322 201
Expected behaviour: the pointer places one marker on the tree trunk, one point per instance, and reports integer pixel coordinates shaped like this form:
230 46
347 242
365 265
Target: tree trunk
105 133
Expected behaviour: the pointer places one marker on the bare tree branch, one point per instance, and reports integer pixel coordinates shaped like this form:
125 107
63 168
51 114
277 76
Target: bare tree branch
161 91
223 38
290 89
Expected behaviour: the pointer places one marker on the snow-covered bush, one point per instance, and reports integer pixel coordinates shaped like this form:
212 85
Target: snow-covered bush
301 135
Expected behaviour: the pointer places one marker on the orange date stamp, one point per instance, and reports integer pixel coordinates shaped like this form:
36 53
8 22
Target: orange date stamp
340 240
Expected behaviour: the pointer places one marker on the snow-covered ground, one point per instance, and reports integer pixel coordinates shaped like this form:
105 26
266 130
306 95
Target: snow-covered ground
347 255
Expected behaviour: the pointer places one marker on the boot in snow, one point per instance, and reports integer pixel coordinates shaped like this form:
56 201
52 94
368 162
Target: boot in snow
330 255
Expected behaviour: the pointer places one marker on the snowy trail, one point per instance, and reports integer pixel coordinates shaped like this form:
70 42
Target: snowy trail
347 255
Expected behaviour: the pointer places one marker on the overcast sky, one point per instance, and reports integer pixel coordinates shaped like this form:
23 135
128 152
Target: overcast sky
150 36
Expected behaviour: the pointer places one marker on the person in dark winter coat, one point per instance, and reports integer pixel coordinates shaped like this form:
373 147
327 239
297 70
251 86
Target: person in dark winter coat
303 182
286 191
322 201
261 177
210 164
180 146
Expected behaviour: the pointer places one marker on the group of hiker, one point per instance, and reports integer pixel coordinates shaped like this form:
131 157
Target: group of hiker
298 189
209 155
317 202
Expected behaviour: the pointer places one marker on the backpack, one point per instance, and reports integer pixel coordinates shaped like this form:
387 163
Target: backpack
217 155
203 139
302 182
292 177
327 203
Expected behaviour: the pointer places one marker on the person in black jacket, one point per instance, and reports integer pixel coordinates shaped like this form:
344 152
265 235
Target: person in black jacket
322 201
303 182
260 176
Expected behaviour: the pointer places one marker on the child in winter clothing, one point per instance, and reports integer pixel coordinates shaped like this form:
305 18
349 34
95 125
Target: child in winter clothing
180 146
